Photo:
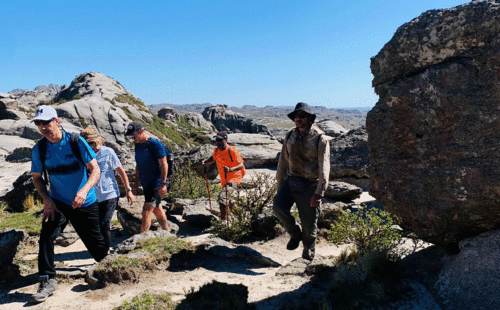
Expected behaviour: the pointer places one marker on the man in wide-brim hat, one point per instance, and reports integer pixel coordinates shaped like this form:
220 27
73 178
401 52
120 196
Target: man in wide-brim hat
302 176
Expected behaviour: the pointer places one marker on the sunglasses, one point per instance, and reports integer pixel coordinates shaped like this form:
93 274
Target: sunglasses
218 140
300 116
43 123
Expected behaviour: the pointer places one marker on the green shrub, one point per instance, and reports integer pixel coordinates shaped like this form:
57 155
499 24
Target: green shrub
187 184
148 301
76 97
163 247
247 203
368 229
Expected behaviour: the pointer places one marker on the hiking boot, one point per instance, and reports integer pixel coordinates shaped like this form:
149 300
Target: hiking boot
45 289
293 243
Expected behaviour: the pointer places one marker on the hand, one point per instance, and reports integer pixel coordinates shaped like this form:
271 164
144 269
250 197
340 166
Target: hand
227 169
162 191
135 190
315 201
48 210
130 198
203 163
79 200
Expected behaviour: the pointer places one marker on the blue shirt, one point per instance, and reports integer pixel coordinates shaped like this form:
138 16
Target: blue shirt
67 175
146 156
107 188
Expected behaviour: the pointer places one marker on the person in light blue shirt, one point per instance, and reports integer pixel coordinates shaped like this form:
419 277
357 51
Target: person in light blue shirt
107 190
72 171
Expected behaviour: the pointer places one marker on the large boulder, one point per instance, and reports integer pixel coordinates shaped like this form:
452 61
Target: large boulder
130 217
92 84
9 241
196 120
349 156
330 127
434 133
471 279
225 119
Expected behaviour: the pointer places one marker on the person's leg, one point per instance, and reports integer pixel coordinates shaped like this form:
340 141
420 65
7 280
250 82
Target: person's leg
86 223
283 202
147 209
308 220
50 231
106 210
159 212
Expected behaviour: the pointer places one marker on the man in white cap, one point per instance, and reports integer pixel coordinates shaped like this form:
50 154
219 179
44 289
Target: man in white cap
65 159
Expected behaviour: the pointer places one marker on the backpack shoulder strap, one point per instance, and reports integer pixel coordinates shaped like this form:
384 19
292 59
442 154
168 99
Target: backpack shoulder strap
75 137
229 152
42 152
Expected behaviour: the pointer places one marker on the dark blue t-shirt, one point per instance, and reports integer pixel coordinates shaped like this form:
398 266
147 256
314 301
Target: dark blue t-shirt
67 175
146 156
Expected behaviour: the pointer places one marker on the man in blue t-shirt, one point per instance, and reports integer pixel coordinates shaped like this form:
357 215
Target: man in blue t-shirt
72 196
151 170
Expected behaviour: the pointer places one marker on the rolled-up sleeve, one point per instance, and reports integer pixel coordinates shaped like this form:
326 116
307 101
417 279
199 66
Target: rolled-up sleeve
324 164
282 163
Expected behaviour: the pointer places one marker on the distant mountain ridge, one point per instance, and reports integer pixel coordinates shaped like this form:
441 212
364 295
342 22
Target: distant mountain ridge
349 118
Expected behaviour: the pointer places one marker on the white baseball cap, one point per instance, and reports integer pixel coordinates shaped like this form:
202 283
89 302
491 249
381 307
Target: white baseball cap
45 113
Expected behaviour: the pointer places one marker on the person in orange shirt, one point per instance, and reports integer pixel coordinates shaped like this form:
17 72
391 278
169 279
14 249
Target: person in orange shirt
230 165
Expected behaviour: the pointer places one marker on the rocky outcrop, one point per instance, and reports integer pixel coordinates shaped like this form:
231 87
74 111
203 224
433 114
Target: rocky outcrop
168 114
342 191
227 120
434 135
92 84
349 155
196 120
330 127
130 217
9 241
471 279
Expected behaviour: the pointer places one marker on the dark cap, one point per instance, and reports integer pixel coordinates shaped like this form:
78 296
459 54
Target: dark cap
221 135
133 127
304 107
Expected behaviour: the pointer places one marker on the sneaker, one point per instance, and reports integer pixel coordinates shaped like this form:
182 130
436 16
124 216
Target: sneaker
46 288
293 244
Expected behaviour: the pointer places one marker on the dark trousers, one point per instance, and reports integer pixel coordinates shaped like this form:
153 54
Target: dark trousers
106 210
85 221
283 202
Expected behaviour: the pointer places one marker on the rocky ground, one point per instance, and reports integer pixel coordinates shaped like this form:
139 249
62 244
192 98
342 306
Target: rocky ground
269 287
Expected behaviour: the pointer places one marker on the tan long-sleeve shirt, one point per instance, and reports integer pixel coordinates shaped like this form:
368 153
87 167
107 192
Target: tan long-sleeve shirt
306 156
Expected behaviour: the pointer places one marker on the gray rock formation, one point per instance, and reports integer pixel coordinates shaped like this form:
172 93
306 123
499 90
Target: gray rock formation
434 134
9 241
168 114
227 120
471 279
92 84
198 214
330 127
342 191
132 243
349 155
67 237
196 120
257 150
130 217
19 191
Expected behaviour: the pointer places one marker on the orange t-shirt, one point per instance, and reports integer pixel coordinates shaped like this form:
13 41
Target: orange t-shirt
229 157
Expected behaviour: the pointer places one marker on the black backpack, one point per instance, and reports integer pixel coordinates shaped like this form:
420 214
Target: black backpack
42 151
170 157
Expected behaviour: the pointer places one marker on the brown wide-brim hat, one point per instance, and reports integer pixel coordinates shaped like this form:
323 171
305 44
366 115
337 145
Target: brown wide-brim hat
90 135
304 107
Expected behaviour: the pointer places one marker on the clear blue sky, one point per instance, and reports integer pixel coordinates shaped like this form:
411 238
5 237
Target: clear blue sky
223 52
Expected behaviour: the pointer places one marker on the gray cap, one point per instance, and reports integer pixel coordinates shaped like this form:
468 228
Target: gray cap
133 127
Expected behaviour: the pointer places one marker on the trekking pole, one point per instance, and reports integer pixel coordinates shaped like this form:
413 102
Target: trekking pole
227 206
208 187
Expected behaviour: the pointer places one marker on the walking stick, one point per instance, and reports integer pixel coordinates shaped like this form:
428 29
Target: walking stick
208 187
227 206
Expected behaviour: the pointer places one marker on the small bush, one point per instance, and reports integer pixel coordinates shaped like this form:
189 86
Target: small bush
186 184
151 252
246 204
368 229
32 204
77 97
148 301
